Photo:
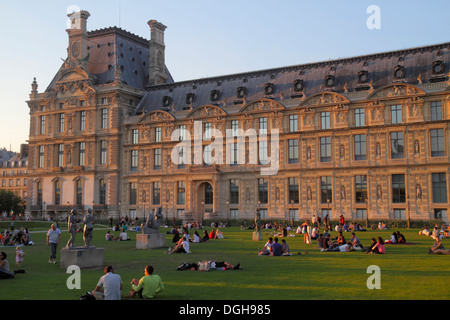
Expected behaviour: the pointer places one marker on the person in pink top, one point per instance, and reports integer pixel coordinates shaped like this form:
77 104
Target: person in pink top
378 247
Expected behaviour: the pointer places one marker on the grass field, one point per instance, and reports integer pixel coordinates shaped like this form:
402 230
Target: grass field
408 272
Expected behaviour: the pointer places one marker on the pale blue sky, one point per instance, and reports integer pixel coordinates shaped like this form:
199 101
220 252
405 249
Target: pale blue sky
206 38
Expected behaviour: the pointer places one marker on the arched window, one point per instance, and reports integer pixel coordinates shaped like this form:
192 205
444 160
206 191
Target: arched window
39 193
57 185
79 199
102 191
209 196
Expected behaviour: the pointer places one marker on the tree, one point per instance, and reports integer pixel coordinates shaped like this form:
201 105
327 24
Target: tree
10 201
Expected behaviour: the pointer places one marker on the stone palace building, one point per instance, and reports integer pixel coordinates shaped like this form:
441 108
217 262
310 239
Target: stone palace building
365 137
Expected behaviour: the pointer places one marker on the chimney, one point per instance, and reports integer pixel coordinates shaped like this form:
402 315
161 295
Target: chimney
157 66
78 39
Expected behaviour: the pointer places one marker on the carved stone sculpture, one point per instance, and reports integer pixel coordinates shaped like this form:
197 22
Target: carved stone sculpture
88 227
153 222
72 227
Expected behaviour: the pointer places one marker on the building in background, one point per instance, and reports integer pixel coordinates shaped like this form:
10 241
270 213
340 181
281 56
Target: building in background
14 172
365 137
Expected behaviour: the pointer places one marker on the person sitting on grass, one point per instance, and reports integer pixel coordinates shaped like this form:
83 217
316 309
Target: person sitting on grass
393 239
265 251
182 246
275 249
356 243
400 237
378 248
148 286
437 245
284 248
424 231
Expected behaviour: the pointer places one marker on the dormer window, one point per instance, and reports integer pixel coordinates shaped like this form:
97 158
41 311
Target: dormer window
166 101
438 67
269 88
241 92
298 85
215 94
399 72
363 76
329 81
190 97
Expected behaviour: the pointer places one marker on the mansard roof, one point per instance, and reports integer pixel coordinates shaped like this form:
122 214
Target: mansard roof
114 47
341 76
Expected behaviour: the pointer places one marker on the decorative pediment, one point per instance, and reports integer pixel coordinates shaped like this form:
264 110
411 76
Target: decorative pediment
325 98
156 116
396 90
262 105
206 111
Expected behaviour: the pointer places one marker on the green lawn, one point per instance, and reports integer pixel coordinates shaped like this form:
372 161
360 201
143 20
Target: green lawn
407 271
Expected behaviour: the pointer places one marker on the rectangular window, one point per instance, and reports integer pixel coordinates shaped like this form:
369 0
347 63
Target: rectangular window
135 136
234 153
293 123
293 190
133 193
359 118
293 150
234 191
157 159
263 214
60 155
156 193
397 145
82 120
234 127
437 142
396 114
325 120
82 153
207 155
325 149
181 192
104 100
134 160
234 214
436 110
398 188
61 122
42 129
360 147
103 151
41 156
158 134
104 123
262 125
361 213
439 187
399 213
207 131
326 191
263 195
182 132
360 189
263 152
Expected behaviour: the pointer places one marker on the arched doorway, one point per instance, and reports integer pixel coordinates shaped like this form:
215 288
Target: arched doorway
204 201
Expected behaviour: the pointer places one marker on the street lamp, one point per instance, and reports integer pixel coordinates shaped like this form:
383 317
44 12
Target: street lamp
203 210
291 213
144 200
228 207
367 212
409 212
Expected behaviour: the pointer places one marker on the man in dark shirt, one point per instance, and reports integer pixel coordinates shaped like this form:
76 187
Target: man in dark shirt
275 249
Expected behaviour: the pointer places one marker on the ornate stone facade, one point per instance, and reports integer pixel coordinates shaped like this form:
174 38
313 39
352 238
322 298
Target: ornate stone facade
359 137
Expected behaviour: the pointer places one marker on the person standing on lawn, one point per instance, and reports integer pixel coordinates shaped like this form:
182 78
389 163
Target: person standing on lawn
53 238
